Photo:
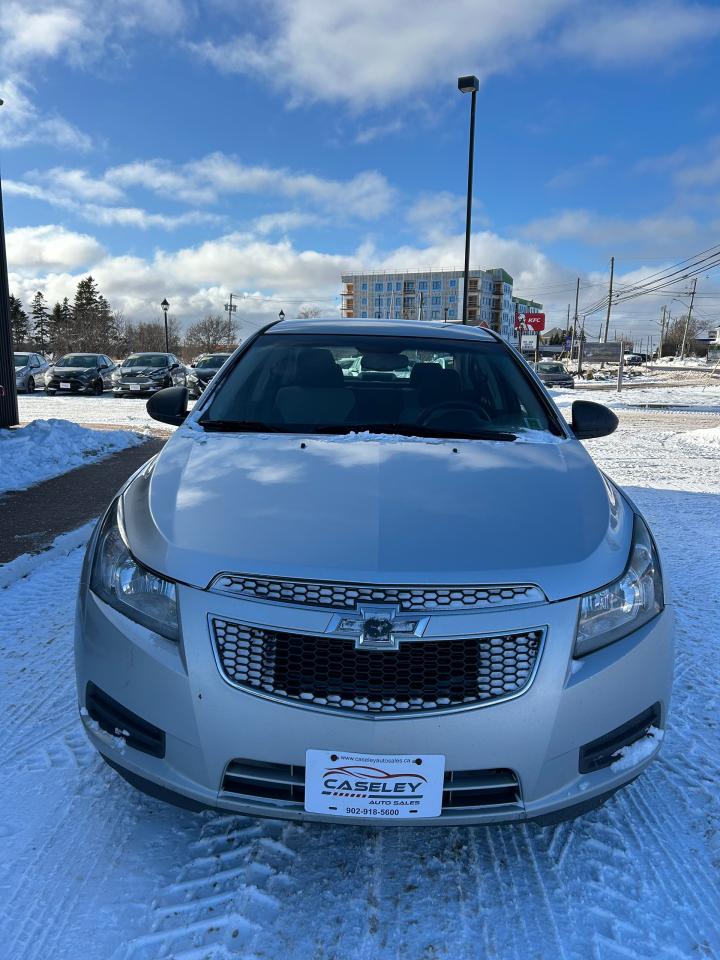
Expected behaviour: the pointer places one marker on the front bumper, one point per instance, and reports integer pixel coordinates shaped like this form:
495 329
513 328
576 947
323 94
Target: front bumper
76 385
207 724
138 387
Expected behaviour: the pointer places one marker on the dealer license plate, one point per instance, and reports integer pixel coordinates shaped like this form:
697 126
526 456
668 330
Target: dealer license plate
64 386
374 786
136 386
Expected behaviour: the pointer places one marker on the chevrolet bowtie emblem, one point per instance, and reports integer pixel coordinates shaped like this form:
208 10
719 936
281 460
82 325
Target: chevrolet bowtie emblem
377 628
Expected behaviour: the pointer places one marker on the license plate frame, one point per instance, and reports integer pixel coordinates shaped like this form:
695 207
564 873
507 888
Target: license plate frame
380 787
65 386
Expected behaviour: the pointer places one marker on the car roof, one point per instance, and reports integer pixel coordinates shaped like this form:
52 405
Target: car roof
387 328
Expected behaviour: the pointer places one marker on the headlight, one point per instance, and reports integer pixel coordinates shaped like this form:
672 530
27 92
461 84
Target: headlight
133 590
115 376
625 605
192 378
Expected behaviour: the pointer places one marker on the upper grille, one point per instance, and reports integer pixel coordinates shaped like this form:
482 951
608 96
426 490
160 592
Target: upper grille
347 596
421 675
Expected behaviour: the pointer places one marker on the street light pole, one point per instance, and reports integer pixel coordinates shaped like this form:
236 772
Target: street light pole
165 306
469 85
8 389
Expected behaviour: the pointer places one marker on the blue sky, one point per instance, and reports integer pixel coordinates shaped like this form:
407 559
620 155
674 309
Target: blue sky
186 149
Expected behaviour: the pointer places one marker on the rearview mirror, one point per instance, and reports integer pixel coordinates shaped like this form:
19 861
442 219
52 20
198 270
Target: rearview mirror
592 420
169 405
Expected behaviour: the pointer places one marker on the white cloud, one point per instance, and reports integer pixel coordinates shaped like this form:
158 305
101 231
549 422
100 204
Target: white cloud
22 123
434 214
77 32
573 175
664 230
365 196
371 53
197 278
50 246
614 33
378 131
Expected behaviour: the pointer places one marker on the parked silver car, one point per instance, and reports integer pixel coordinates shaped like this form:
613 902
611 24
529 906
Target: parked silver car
30 371
148 372
333 597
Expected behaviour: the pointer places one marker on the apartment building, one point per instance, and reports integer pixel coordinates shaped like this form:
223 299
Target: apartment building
433 295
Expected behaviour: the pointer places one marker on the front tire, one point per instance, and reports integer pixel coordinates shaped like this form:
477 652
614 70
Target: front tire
98 387
30 385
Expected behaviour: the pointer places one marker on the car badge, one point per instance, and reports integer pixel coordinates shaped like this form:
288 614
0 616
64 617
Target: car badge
377 628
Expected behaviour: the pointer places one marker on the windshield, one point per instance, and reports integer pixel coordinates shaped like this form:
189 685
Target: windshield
340 383
77 360
22 359
212 363
146 360
551 368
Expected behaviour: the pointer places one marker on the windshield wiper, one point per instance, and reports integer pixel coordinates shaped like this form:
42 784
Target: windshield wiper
240 426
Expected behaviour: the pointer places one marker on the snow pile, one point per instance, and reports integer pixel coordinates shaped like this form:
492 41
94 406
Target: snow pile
708 439
47 448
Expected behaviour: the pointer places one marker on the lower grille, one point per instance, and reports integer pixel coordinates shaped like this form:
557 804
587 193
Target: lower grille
285 785
117 720
420 676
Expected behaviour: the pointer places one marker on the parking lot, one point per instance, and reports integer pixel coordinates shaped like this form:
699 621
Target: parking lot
93 869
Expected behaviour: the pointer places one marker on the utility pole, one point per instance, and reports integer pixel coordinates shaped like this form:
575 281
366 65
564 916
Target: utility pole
687 321
607 317
8 387
575 320
662 333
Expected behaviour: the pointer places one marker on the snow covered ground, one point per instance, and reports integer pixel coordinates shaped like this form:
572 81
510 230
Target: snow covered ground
106 409
92 870
47 448
697 397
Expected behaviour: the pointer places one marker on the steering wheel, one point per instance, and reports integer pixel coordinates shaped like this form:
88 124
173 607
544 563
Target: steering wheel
475 408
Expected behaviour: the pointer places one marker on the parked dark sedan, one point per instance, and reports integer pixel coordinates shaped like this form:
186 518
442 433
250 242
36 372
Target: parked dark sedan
553 374
203 371
147 372
80 373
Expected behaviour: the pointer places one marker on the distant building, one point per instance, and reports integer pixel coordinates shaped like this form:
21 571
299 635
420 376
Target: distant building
433 295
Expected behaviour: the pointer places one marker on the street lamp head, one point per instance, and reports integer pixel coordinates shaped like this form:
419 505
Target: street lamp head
282 314
165 305
468 84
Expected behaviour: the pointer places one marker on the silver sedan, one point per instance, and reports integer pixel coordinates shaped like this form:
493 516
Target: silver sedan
30 370
334 597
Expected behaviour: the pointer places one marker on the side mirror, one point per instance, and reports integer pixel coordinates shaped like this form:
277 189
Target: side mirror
174 366
192 364
102 366
592 420
169 405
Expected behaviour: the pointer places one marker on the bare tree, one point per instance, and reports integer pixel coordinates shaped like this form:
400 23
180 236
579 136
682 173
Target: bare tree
673 339
214 334
308 313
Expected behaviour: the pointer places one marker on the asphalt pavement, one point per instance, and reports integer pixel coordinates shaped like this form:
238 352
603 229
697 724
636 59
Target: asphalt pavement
31 519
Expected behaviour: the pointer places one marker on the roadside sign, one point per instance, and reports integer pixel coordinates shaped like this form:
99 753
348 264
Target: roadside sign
568 342
602 352
536 321
528 341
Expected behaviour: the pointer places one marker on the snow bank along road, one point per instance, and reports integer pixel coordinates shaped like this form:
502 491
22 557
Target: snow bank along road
91 869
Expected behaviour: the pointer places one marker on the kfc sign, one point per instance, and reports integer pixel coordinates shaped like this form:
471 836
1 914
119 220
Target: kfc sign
535 321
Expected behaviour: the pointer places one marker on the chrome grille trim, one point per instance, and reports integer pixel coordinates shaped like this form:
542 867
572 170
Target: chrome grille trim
421 678
331 595
283 786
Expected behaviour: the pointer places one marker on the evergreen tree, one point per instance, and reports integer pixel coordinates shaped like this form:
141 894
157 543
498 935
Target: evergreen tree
105 324
39 314
85 311
18 323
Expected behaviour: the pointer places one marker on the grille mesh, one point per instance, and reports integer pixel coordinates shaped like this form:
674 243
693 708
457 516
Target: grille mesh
347 596
419 676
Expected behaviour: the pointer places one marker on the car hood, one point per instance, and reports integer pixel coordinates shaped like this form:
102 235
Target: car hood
71 371
388 510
